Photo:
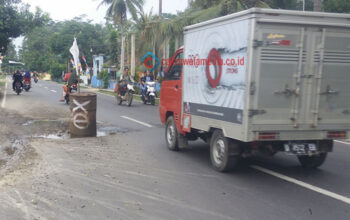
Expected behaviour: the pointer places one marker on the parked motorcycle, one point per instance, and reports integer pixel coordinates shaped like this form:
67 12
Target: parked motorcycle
18 87
150 96
125 93
26 85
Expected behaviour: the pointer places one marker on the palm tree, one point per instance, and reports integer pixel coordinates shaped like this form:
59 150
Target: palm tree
118 10
202 10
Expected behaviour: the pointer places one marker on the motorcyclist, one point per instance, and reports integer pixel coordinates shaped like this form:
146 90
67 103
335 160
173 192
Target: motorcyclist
27 76
17 77
123 81
35 75
70 80
146 78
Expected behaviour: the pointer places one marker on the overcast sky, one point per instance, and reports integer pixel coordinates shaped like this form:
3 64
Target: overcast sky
60 10
68 9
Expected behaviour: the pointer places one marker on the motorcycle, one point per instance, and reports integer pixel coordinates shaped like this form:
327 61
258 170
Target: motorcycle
150 96
127 93
18 87
36 79
68 91
26 84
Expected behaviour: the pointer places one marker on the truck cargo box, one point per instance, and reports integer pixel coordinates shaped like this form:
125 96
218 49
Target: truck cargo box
266 74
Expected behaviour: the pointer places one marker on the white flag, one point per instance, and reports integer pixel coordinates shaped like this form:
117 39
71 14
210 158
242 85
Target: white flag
74 50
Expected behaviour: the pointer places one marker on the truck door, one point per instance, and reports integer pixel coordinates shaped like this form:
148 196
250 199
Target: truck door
172 87
280 75
302 78
331 64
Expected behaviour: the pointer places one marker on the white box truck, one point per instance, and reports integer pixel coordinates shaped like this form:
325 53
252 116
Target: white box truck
260 81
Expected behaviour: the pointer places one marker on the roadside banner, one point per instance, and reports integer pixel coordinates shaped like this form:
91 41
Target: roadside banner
74 50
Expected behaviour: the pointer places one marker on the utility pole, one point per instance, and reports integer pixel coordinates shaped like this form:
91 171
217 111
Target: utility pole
133 55
122 57
318 5
160 9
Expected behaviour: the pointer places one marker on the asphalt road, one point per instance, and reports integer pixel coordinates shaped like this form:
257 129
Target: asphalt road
154 183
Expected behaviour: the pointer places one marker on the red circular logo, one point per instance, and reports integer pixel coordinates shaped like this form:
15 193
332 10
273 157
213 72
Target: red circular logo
214 58
149 66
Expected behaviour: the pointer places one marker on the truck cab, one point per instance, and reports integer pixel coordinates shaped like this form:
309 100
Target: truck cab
171 91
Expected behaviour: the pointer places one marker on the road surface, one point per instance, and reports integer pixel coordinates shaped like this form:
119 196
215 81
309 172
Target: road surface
132 175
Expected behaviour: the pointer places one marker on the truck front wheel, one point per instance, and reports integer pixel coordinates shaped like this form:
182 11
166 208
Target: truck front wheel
220 152
171 135
313 161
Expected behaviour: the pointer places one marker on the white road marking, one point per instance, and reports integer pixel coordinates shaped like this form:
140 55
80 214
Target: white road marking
303 184
137 121
343 142
53 91
40 85
46 87
3 103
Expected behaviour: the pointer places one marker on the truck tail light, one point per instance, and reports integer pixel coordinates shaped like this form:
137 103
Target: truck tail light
268 136
336 134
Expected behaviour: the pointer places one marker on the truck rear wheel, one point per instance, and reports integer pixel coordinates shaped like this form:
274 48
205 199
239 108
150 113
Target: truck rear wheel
220 148
171 135
314 161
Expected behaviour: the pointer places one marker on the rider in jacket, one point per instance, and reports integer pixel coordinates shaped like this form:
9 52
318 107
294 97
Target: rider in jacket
17 77
123 81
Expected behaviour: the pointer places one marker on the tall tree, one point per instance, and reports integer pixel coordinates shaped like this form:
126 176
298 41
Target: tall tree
16 19
118 9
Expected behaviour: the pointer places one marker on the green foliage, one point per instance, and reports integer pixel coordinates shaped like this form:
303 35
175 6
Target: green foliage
160 80
56 70
340 6
118 9
137 90
113 45
105 78
48 45
16 19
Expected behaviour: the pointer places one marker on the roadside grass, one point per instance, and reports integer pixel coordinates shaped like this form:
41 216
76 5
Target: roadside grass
2 87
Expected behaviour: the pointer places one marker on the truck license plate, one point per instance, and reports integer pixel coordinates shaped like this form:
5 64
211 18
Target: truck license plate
300 149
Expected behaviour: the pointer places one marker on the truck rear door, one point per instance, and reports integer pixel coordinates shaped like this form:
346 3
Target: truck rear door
332 83
303 76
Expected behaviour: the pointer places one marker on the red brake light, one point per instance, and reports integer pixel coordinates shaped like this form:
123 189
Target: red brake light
268 136
336 134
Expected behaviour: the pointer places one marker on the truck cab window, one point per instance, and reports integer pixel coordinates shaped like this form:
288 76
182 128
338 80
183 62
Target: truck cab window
175 71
